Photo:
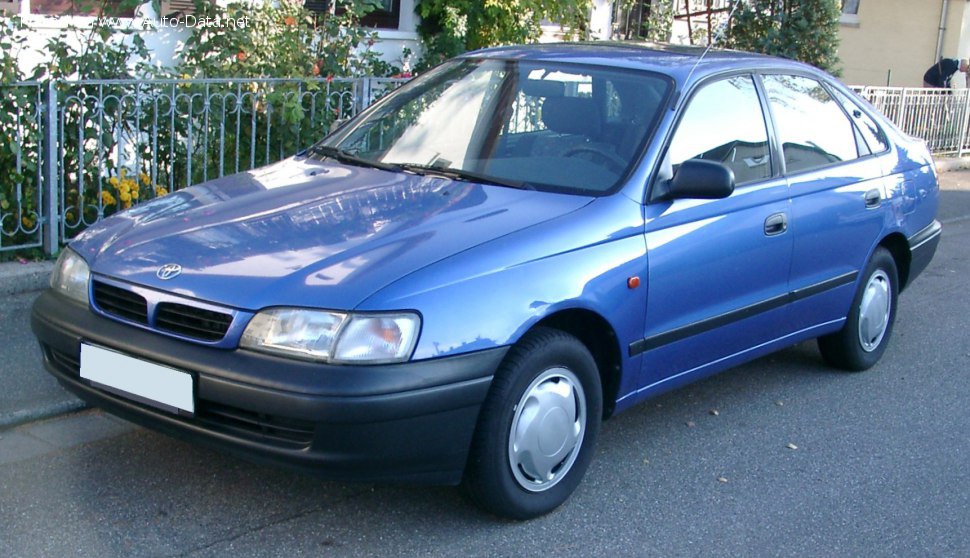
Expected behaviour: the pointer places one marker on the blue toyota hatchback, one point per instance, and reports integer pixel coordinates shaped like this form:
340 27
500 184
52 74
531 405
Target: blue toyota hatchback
464 281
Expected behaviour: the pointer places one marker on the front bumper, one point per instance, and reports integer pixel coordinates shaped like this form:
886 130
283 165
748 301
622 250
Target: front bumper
402 422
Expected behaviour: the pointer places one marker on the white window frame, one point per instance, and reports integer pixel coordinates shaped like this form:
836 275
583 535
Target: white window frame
850 18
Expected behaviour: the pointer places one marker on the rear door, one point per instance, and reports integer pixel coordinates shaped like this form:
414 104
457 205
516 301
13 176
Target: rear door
837 190
718 269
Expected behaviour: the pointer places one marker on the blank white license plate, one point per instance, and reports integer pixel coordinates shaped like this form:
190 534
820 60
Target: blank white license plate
152 384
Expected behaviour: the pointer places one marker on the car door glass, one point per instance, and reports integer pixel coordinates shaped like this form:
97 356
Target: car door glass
873 135
814 131
724 123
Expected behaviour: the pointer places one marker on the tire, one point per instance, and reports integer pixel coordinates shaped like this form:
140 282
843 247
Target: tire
548 374
863 339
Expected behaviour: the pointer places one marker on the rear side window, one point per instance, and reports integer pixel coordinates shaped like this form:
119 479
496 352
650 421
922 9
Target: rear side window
873 135
724 123
813 129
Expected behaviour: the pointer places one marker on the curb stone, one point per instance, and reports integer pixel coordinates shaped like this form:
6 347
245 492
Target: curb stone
16 278
951 164
23 416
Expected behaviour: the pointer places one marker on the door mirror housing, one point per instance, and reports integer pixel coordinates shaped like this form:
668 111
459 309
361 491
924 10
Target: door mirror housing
699 179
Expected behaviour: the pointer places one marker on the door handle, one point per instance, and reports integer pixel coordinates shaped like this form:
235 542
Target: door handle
873 199
776 224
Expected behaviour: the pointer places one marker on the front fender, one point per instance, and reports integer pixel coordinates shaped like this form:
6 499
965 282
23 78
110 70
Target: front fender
491 295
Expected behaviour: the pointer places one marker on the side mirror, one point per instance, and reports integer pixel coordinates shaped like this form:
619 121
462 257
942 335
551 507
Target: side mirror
700 179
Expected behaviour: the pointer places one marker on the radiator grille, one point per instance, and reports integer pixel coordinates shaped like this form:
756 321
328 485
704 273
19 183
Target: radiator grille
120 302
193 322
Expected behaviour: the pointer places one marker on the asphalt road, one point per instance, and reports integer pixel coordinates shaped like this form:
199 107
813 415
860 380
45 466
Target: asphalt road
816 463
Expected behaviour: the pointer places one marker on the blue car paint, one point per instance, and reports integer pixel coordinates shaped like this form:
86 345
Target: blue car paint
485 270
309 234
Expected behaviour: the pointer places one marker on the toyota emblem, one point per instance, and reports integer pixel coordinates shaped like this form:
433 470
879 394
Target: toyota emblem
169 271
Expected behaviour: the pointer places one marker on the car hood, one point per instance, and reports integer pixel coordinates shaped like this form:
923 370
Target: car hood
304 232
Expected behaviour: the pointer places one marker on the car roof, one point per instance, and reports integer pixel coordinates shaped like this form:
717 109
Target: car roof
677 61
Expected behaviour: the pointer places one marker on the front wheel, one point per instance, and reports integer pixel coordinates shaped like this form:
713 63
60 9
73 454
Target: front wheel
863 339
537 428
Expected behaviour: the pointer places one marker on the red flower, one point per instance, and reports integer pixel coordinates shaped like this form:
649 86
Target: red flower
329 79
316 69
241 56
290 20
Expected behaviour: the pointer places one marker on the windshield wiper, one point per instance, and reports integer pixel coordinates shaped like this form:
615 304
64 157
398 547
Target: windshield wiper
351 159
459 174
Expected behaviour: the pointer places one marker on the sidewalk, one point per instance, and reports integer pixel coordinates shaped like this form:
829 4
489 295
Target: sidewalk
29 393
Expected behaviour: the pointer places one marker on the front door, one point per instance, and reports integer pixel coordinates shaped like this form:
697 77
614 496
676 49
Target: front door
718 269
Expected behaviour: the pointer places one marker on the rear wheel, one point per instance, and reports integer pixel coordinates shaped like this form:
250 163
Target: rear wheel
863 339
537 428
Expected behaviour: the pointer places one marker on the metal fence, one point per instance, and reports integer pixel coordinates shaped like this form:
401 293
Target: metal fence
74 152
938 116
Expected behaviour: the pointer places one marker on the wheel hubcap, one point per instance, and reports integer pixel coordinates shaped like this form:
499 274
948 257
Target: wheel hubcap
547 429
874 311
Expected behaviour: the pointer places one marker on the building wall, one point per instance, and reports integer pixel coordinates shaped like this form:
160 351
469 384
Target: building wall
895 41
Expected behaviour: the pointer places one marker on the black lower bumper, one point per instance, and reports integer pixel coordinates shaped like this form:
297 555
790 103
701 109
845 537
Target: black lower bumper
404 422
922 247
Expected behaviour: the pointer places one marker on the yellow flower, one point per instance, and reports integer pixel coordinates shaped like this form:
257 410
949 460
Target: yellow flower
28 222
134 194
126 204
114 181
160 191
125 197
145 179
124 173
107 198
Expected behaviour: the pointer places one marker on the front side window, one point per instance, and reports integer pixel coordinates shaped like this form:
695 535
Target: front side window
724 123
814 131
544 125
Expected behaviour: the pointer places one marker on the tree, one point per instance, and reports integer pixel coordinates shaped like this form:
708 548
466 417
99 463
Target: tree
804 30
450 27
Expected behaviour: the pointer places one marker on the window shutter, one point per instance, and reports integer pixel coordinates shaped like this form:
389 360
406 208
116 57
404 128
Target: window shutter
10 7
184 7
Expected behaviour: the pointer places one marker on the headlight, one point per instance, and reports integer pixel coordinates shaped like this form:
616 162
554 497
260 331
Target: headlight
71 276
293 332
333 336
378 338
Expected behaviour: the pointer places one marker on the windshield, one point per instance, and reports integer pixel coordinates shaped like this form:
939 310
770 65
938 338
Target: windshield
543 125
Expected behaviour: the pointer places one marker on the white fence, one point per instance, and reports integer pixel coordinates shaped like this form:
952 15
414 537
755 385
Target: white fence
938 116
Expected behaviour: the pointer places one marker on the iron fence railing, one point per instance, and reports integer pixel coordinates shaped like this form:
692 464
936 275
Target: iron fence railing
23 184
73 152
938 116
